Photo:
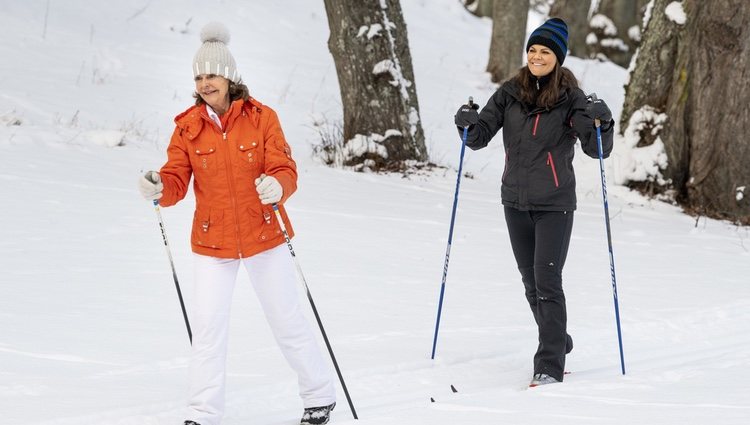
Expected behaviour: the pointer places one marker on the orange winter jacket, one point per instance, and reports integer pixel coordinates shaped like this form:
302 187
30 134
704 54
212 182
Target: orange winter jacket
229 220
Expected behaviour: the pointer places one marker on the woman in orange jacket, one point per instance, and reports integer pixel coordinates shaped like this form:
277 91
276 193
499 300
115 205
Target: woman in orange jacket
234 148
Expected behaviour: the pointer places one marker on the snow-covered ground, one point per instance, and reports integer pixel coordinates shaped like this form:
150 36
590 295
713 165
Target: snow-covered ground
90 327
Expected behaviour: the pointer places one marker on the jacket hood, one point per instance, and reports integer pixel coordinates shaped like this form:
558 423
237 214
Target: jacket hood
190 121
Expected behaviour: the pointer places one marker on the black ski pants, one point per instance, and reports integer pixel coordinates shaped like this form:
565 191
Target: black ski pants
540 242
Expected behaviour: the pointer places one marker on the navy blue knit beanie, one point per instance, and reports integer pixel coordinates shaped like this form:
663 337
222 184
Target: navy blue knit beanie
553 34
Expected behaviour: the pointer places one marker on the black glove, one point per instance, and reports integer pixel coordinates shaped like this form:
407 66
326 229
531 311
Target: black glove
597 109
467 115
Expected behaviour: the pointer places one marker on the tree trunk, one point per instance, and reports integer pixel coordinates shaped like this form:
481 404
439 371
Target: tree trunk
369 44
695 73
619 37
508 38
651 79
575 13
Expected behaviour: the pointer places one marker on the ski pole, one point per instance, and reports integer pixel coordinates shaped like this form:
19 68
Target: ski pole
314 309
174 273
450 235
597 124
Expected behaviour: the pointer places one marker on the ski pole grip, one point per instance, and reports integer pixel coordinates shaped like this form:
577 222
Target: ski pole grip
592 98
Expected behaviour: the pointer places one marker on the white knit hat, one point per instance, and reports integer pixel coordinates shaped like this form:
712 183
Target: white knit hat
213 57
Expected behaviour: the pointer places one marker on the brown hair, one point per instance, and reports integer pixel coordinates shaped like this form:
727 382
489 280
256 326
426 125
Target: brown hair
236 91
560 79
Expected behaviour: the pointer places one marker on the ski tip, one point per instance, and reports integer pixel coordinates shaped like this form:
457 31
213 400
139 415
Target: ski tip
432 400
453 389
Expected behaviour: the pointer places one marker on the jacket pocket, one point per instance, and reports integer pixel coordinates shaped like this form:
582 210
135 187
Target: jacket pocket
265 226
551 164
249 155
206 160
208 228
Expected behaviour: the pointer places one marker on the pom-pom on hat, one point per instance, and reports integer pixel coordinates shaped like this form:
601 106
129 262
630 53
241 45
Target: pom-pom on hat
213 57
553 34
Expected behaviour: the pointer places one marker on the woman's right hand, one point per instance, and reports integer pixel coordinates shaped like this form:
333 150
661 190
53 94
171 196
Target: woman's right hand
150 185
467 115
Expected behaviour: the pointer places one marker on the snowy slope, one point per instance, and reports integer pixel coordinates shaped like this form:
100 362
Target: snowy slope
90 326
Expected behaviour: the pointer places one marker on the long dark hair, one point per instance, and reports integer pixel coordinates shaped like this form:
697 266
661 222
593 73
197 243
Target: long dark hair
236 91
560 79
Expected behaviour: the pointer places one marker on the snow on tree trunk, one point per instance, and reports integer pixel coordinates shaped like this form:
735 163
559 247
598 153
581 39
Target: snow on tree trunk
508 38
575 13
691 67
614 29
369 44
480 8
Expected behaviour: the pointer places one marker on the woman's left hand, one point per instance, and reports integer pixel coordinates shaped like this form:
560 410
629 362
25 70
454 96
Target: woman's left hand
269 189
598 109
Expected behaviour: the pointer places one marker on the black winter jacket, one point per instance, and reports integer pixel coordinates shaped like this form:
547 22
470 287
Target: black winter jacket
539 146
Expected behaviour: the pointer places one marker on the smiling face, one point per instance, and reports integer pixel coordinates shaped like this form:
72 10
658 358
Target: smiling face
214 90
541 60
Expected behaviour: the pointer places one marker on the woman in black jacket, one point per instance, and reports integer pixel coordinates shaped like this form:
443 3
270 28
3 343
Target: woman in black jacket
542 112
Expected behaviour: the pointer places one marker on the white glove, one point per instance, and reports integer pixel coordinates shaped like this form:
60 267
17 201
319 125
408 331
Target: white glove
150 185
269 189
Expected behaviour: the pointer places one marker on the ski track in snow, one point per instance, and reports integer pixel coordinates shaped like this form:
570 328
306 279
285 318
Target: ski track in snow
56 357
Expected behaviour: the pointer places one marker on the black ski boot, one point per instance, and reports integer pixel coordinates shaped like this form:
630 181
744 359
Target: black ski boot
317 415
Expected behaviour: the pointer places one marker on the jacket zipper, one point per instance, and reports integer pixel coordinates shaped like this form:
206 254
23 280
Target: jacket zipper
232 196
551 163
505 170
536 122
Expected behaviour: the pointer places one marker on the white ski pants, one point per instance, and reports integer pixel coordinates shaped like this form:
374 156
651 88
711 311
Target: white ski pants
273 277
